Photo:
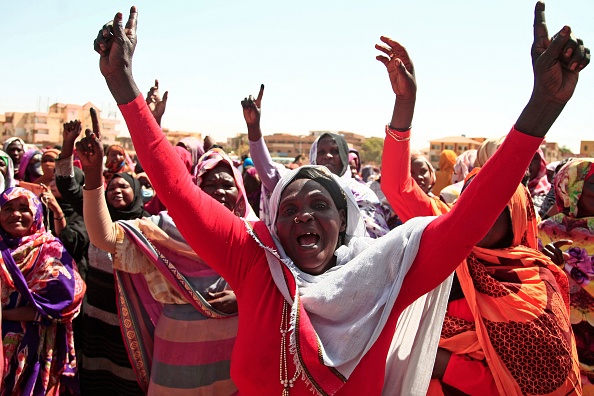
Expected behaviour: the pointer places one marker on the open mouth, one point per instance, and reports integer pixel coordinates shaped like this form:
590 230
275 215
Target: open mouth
308 240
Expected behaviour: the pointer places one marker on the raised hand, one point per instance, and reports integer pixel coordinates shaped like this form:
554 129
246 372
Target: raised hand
224 301
115 44
252 109
400 68
90 148
70 133
155 103
557 61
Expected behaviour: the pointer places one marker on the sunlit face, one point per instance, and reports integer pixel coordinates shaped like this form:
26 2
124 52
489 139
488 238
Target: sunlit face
329 155
34 167
308 225
114 156
419 171
3 167
119 194
220 184
16 218
48 164
586 202
15 150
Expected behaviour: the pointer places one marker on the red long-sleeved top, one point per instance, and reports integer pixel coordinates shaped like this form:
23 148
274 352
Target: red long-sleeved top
408 200
220 238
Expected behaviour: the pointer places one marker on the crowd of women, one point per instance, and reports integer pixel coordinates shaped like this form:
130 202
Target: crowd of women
447 282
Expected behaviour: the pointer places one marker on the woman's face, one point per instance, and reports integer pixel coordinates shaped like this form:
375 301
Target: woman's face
419 171
48 164
15 151
16 217
220 184
34 167
54 188
120 194
329 155
586 202
308 225
3 167
114 156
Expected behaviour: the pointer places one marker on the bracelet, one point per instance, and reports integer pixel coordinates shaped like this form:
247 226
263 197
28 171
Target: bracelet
394 134
59 218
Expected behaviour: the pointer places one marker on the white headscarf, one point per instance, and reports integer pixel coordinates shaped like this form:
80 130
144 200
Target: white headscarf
349 304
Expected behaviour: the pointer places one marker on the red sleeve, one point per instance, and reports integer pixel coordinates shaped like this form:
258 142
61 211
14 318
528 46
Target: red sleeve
215 233
450 237
403 193
473 377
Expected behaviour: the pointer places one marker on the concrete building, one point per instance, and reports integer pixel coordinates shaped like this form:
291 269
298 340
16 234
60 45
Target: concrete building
458 144
45 129
551 151
173 136
587 148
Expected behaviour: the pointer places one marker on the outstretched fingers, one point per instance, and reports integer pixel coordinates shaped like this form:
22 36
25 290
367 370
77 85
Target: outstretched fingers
540 26
132 21
260 94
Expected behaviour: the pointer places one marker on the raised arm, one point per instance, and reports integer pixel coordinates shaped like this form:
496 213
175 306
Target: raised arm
404 195
66 183
450 238
215 234
102 231
252 110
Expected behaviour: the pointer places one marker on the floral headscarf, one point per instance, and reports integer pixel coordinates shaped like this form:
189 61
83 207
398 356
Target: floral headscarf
36 210
209 161
569 183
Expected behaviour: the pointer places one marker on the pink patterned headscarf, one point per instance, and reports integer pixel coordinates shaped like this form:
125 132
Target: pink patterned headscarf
540 185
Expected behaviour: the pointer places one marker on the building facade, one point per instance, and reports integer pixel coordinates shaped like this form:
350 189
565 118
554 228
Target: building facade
457 144
587 148
45 129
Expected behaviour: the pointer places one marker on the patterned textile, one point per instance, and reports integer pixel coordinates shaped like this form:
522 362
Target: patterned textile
36 271
8 180
519 300
162 300
579 258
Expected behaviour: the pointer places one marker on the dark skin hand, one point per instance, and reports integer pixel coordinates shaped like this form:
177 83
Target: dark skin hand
554 253
156 104
251 113
223 301
115 44
402 78
556 64
90 151
70 133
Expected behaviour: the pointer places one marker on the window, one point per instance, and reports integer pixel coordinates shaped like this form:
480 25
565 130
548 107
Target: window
449 147
435 147
434 158
585 148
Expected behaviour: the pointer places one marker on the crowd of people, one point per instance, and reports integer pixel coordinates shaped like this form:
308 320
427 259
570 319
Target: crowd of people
186 272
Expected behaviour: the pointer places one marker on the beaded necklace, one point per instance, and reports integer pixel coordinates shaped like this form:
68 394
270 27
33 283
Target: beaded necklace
284 369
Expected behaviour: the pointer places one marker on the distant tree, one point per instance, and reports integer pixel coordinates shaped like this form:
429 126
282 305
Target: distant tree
371 151
565 150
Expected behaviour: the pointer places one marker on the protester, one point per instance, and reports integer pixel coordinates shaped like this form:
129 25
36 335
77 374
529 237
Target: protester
473 355
330 150
443 177
6 171
42 293
340 345
572 230
464 164
15 147
30 166
192 312
48 164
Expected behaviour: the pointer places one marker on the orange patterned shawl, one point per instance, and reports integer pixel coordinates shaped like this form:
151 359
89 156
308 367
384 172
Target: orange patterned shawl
520 303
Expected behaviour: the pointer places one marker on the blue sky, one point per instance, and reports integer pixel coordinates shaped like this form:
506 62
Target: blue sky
317 60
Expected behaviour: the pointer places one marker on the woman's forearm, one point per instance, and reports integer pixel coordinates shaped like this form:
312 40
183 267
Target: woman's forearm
102 231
